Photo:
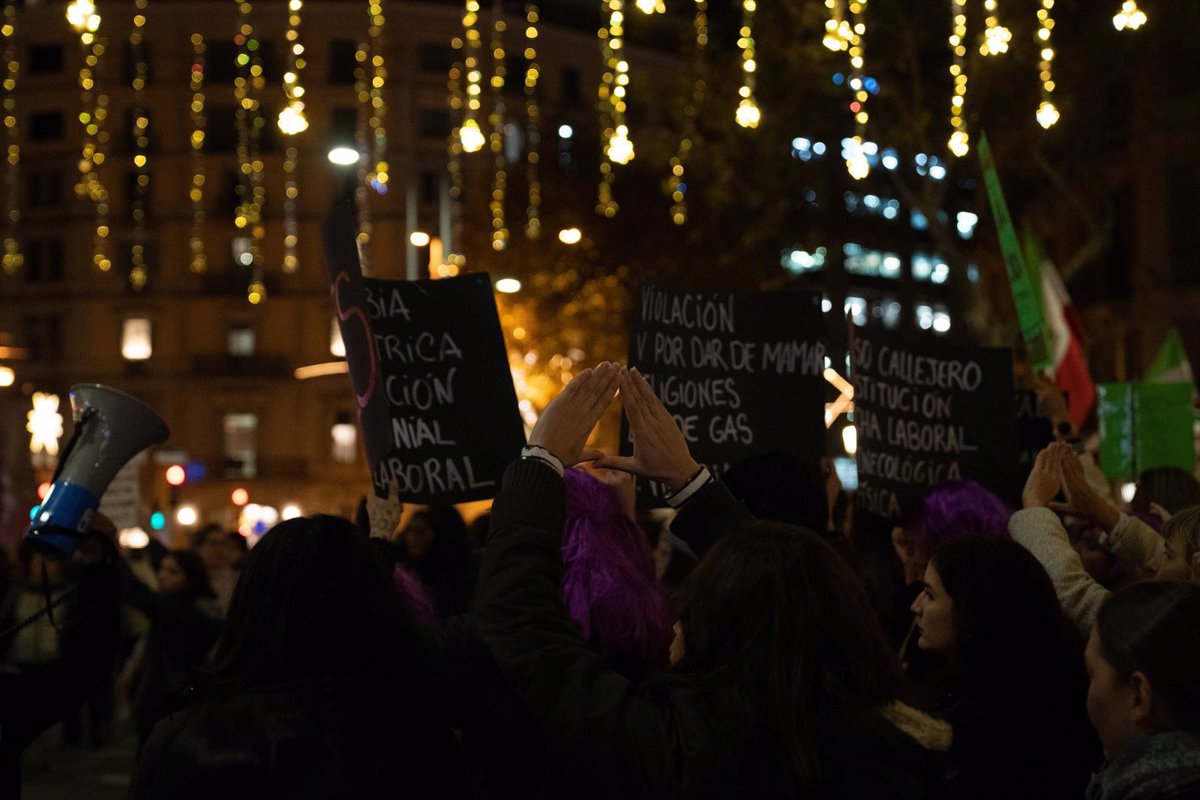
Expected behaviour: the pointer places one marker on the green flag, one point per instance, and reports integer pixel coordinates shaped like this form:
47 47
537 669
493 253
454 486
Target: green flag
1145 425
1171 365
1026 294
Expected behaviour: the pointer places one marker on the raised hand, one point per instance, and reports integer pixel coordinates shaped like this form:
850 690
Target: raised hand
1083 501
564 426
659 450
1045 479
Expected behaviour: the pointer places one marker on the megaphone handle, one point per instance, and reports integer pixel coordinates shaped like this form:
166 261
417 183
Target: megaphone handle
70 445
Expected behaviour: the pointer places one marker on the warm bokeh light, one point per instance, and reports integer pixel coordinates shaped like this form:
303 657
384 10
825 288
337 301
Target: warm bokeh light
239 497
176 475
508 285
570 235
187 516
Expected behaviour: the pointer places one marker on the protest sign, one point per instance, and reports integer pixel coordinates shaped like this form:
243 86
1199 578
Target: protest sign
741 373
926 412
430 377
122 500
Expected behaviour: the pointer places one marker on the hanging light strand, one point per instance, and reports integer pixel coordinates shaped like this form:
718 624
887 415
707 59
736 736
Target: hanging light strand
13 259
676 184
1047 113
199 261
496 123
533 138
362 138
454 147
292 122
139 272
1130 17
748 114
470 134
82 16
857 163
248 86
618 147
837 28
377 175
960 140
995 36
651 6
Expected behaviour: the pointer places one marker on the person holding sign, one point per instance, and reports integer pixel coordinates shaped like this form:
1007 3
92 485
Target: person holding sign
782 682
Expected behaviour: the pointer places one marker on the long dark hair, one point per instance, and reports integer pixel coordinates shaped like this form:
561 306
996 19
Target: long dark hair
313 599
1152 628
774 614
195 571
1011 633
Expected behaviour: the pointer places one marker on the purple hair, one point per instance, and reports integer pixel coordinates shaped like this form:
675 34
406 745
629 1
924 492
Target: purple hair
956 508
608 586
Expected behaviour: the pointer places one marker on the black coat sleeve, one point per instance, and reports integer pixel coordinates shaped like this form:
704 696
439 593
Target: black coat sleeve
708 515
621 743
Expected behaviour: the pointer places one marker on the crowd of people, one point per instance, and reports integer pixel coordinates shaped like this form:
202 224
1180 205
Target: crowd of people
765 644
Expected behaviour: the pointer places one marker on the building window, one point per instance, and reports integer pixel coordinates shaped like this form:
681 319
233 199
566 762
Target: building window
344 434
929 268
43 189
435 57
343 127
240 341
871 263
572 94
43 339
434 123
220 132
933 317
136 344
241 445
337 347
799 261
343 61
45 59
44 260
46 126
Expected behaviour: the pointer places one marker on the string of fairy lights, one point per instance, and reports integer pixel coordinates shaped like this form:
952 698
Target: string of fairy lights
748 114
1047 113
533 138
845 30
362 139
199 260
248 87
139 269
13 259
82 16
676 183
496 124
292 122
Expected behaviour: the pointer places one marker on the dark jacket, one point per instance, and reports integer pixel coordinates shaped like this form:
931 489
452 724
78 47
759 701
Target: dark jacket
317 738
29 704
177 644
667 737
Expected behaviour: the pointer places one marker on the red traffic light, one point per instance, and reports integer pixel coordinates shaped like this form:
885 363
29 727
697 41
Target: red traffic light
176 475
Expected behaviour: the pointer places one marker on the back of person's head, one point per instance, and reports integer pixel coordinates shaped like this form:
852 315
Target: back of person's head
1182 532
956 508
774 615
313 599
200 537
609 586
781 487
1152 628
1170 487
253 748
238 546
195 571
1010 632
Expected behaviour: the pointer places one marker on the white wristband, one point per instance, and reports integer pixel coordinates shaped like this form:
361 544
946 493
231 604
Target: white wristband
702 479
545 456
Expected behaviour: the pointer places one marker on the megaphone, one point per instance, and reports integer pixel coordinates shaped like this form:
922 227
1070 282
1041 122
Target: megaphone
110 428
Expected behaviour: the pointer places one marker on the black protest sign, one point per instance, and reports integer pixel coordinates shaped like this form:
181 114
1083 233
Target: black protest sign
741 373
434 358
926 412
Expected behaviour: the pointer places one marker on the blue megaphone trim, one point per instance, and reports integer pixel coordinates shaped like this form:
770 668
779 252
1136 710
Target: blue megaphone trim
65 514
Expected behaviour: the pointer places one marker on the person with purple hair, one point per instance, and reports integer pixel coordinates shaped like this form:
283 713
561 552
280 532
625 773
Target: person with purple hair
945 512
782 684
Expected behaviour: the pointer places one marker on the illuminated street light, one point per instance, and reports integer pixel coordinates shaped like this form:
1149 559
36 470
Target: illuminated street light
570 235
508 285
343 156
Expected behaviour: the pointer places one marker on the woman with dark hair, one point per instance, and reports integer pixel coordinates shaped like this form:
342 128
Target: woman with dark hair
783 684
184 622
434 545
317 630
1169 488
1009 672
213 544
1143 658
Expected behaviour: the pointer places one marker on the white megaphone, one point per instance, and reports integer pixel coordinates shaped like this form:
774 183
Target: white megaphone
110 428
